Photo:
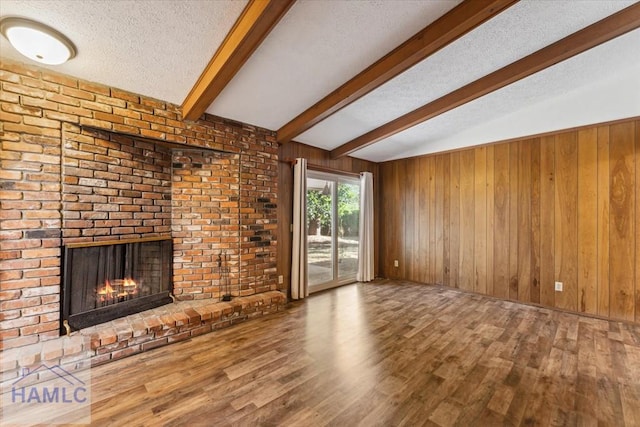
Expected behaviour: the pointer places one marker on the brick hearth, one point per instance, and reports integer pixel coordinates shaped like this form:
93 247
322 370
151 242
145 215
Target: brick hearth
140 332
175 322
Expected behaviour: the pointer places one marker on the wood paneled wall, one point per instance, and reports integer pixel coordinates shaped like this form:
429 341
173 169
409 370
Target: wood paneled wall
317 157
511 219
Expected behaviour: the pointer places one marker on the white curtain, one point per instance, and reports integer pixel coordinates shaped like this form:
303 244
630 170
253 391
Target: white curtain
299 287
365 247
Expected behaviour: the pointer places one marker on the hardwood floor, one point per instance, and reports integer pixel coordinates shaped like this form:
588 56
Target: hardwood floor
388 353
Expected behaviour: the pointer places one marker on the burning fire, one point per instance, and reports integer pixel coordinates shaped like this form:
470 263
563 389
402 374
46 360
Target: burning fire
106 289
117 290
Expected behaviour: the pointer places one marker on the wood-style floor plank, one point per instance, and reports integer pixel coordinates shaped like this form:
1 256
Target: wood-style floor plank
385 354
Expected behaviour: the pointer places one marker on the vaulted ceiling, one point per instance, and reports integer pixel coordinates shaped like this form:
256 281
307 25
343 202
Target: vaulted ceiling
374 79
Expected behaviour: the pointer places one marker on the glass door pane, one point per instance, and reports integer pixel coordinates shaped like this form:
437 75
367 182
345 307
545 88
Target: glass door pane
348 216
333 211
320 251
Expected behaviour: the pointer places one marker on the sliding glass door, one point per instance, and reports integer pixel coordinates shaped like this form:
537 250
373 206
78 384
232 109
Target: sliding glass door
333 212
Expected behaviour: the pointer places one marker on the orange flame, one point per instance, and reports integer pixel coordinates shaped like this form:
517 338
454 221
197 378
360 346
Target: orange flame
106 289
121 288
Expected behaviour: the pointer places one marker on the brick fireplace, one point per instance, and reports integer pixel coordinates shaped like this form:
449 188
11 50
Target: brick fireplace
84 163
110 279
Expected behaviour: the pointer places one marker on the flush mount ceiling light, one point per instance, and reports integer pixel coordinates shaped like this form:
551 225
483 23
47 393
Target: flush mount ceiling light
37 41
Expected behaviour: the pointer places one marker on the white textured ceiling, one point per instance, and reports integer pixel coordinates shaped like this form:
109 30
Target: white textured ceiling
316 47
599 85
158 48
499 42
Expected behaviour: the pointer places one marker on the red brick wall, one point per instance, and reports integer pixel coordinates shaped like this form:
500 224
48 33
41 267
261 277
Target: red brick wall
114 186
39 112
204 221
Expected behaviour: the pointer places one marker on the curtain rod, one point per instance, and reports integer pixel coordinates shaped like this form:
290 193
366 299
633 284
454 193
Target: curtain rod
320 168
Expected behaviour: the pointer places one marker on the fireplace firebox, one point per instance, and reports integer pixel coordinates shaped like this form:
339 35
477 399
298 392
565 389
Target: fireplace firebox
110 279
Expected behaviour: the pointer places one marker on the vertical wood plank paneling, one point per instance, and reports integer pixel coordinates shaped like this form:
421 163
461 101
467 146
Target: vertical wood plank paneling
637 225
588 220
446 235
424 219
402 176
524 221
382 179
386 225
467 204
385 194
381 184
566 218
535 221
418 204
285 219
513 219
501 215
377 206
414 255
480 220
439 213
432 219
622 226
547 220
490 217
406 263
399 201
398 223
454 220
603 221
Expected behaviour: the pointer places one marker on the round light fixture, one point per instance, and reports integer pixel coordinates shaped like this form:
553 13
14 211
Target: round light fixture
37 41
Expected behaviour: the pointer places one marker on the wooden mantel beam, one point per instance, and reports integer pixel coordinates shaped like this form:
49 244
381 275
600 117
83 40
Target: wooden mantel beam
258 18
446 29
602 31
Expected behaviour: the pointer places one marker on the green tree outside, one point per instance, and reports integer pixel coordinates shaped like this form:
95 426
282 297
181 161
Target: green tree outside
319 211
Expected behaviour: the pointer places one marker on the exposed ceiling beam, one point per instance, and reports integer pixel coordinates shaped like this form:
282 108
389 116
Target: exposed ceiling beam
258 18
446 29
602 31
